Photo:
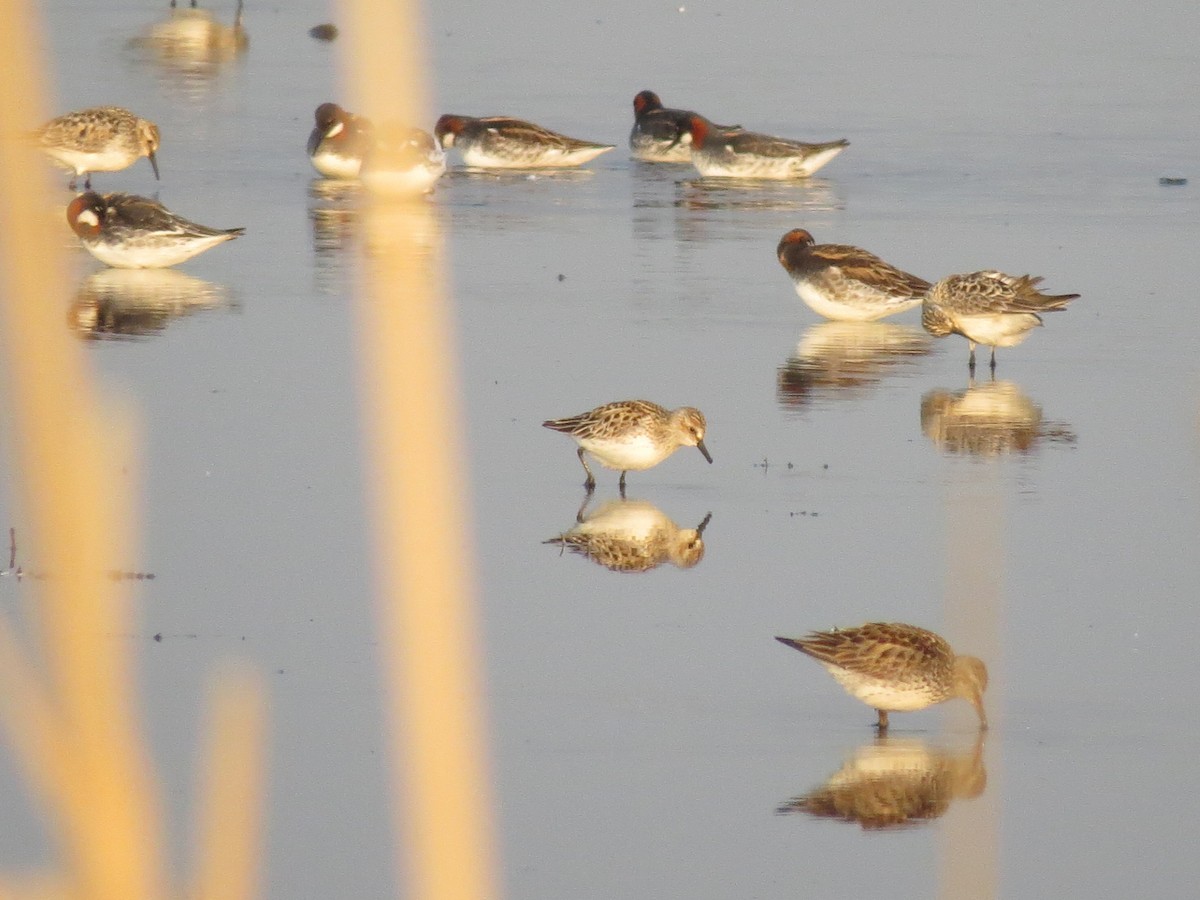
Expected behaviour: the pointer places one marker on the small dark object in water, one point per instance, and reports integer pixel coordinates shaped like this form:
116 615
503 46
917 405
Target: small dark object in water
326 32
562 277
1172 181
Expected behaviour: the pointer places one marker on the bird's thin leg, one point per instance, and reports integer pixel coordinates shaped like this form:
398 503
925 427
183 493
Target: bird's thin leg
87 181
993 364
587 498
882 724
971 358
590 484
621 484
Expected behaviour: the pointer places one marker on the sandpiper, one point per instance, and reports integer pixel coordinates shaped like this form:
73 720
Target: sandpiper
338 142
631 435
843 282
403 161
130 232
726 153
988 308
660 134
897 668
99 139
497 142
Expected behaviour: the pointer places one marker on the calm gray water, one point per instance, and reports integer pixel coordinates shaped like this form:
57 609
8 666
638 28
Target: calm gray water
646 727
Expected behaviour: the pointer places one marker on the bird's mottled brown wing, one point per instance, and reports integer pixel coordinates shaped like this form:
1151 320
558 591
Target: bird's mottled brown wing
868 268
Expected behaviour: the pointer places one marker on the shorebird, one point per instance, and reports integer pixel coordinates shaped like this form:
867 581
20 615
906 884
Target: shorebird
724 153
130 232
660 134
632 435
846 283
988 308
497 142
896 668
338 142
403 161
99 139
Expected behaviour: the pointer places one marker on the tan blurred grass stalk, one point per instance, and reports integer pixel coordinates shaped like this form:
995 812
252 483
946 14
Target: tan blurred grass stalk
416 479
68 702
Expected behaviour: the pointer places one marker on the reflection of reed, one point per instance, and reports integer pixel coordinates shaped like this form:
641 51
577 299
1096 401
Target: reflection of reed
192 45
989 419
892 783
633 536
116 303
845 358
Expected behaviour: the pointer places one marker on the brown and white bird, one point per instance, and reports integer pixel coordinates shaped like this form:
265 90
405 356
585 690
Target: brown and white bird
632 435
896 668
339 141
660 134
99 139
131 232
725 153
498 142
846 283
988 308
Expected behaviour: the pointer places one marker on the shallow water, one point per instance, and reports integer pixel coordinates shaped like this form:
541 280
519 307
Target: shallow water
646 727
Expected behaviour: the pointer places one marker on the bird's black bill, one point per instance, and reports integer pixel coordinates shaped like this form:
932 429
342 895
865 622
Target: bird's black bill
700 446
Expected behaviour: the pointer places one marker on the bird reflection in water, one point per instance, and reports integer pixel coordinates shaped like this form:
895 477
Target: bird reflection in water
844 359
335 216
190 45
130 303
632 536
809 195
990 419
895 783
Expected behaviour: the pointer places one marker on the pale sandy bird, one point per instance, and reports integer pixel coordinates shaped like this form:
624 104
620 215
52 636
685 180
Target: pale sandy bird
131 232
403 161
988 308
99 139
498 142
724 153
892 783
633 536
896 668
660 134
843 282
632 435
338 142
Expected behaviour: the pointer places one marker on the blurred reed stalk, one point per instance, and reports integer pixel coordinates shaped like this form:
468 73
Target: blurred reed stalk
67 694
416 481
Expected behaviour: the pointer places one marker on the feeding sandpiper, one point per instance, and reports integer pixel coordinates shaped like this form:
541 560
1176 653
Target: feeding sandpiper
896 668
726 153
632 435
497 142
988 308
338 142
130 232
846 283
99 139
